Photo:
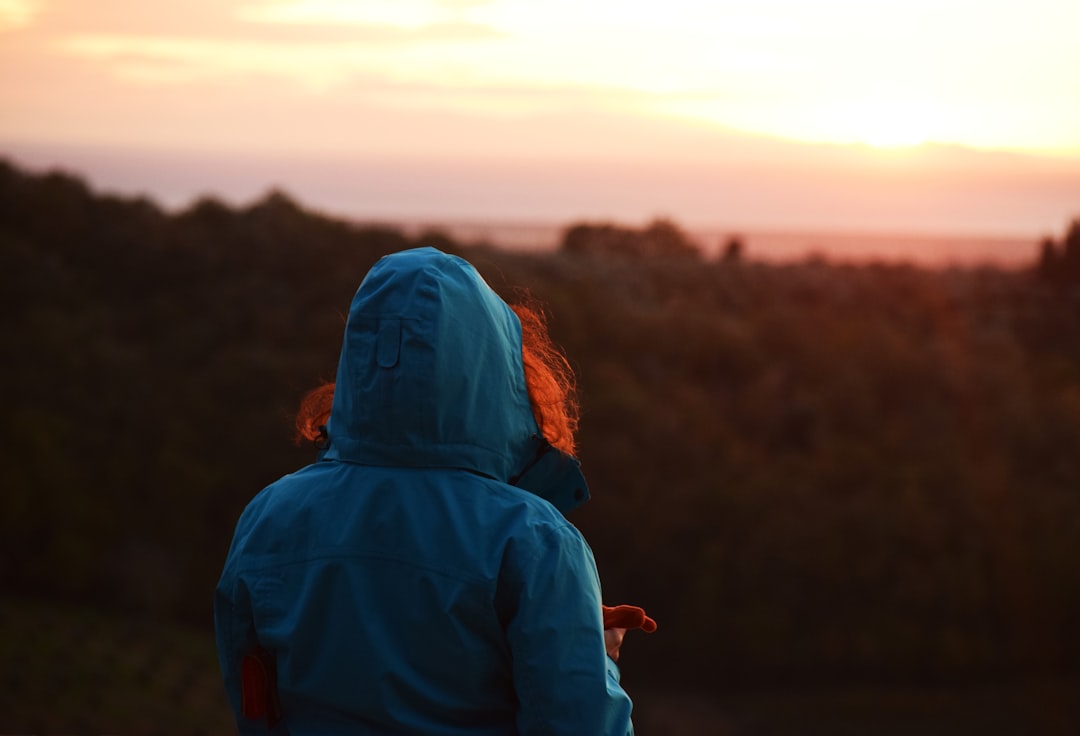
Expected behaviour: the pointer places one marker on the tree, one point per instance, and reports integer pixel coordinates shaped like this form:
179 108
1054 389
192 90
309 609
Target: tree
733 250
1060 263
662 238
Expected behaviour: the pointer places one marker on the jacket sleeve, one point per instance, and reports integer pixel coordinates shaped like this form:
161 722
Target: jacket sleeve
235 635
234 629
565 682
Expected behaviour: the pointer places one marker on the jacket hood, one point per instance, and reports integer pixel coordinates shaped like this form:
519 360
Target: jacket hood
431 374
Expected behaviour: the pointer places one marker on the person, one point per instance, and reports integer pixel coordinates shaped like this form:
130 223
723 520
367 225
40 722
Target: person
421 577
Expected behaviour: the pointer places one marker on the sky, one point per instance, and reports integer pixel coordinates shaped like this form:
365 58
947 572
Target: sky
935 116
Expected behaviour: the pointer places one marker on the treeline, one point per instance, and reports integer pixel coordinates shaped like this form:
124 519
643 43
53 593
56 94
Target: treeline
1059 262
803 471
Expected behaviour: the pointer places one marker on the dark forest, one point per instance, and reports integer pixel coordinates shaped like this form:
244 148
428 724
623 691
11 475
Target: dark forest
812 474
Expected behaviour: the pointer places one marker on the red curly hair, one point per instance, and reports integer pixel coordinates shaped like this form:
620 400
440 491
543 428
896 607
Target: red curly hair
548 376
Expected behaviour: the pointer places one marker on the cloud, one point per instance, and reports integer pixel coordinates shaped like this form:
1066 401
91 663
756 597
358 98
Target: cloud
837 71
187 60
317 63
464 4
399 13
15 14
315 44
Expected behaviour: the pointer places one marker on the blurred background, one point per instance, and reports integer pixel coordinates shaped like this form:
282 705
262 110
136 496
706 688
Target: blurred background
817 269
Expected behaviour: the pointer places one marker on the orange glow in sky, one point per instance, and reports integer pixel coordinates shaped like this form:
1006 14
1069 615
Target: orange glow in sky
692 83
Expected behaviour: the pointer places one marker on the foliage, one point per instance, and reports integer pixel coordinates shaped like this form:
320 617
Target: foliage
804 472
70 669
1059 264
660 239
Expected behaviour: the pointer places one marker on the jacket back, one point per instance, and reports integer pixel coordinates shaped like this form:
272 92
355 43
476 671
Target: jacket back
402 584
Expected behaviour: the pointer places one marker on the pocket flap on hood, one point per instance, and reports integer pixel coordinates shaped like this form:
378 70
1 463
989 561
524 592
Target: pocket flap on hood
388 345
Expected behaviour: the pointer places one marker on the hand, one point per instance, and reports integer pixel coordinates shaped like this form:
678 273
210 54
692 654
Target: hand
613 639
620 619
628 617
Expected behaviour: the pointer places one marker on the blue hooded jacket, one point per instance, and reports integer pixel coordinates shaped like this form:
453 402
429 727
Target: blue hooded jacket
420 578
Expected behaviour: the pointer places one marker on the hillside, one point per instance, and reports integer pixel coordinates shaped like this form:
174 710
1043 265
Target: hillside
808 473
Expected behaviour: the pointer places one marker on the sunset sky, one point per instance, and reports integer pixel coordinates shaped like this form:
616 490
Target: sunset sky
958 116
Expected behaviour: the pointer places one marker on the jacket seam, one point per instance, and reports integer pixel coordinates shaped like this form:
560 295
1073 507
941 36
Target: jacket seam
361 554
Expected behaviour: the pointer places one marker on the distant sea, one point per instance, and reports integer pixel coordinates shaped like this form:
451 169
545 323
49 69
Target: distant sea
778 246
